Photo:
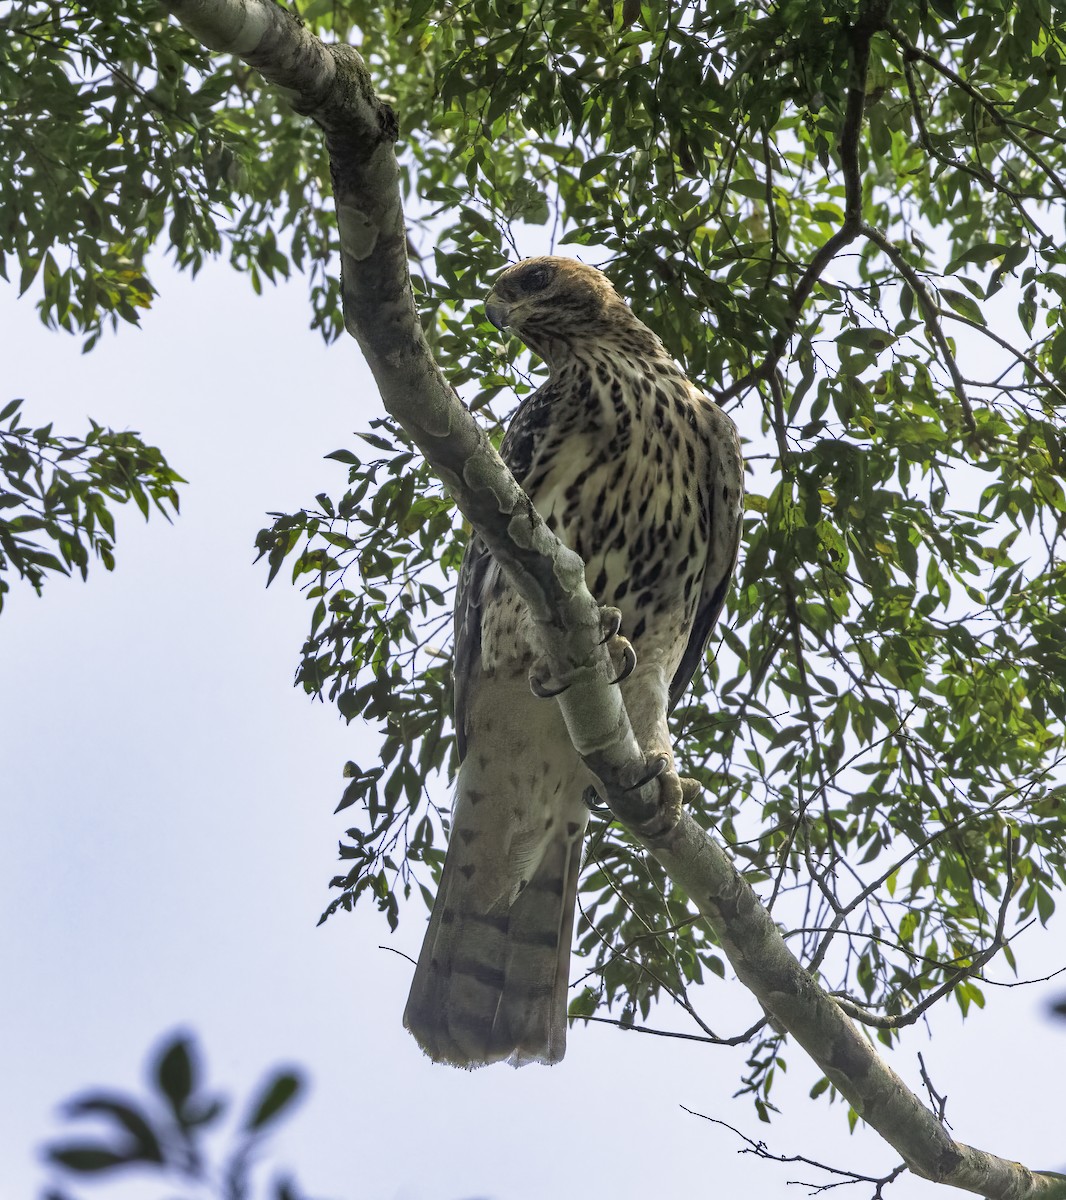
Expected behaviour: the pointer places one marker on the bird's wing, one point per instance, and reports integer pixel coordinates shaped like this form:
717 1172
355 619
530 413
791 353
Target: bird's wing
469 600
479 573
724 505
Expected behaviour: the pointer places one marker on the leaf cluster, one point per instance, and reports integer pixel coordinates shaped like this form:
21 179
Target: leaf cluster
56 492
376 564
120 134
166 1135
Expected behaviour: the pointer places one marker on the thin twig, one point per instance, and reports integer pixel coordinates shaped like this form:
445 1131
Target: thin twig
871 19
738 1040
1002 342
930 313
1002 123
759 1149
938 1102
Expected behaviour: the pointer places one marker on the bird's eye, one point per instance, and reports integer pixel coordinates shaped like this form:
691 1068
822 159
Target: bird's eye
536 279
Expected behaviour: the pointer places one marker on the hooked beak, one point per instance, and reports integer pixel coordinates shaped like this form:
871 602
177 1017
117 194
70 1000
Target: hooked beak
496 311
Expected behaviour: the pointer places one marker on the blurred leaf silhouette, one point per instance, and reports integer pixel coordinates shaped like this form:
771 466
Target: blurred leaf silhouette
167 1133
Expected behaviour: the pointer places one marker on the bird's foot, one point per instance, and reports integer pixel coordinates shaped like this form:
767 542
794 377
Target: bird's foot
690 788
623 656
674 793
655 765
594 801
610 622
541 683
623 659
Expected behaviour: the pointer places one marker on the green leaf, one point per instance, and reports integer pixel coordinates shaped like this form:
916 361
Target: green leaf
964 305
277 1095
175 1074
981 254
87 1158
146 1143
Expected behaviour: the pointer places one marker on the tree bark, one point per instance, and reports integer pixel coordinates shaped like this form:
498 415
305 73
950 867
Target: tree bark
332 86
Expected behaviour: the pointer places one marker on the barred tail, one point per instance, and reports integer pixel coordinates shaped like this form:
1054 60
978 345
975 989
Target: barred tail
491 981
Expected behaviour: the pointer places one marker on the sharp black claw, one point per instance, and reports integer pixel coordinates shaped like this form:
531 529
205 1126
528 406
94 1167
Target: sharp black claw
542 691
611 621
655 767
593 801
629 661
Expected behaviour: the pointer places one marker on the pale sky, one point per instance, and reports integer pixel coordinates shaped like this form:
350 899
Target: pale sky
167 836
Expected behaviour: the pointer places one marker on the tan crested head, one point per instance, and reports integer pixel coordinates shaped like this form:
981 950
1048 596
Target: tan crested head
554 303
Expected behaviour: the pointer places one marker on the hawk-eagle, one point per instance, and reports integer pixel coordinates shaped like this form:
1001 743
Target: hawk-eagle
640 473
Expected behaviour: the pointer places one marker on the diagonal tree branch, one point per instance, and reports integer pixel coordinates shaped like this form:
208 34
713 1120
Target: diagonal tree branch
1004 124
930 315
333 87
872 17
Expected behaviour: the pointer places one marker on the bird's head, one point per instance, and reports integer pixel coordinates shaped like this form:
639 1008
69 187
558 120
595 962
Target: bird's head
553 303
